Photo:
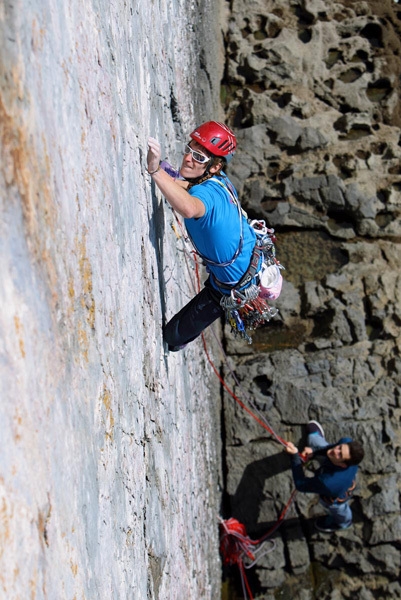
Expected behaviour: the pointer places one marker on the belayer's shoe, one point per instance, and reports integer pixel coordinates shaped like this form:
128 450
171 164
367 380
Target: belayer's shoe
314 427
327 525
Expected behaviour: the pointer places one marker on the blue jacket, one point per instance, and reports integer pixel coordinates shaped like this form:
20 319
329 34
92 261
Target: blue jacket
330 481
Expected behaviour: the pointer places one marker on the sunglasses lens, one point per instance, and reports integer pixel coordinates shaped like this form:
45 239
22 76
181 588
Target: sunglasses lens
197 156
201 158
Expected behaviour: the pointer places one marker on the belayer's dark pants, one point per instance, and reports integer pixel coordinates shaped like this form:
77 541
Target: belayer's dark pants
193 318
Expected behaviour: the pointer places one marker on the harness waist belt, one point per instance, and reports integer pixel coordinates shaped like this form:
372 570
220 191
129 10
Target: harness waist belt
247 276
348 495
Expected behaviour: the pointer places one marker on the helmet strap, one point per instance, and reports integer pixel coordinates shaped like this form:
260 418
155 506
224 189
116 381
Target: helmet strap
206 175
197 180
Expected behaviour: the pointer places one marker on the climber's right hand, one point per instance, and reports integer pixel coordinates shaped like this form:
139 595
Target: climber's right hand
154 154
291 449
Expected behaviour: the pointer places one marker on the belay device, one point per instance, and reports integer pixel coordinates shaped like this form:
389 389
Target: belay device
246 309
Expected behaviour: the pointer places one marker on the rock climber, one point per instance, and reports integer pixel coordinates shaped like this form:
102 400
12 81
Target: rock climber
215 222
334 481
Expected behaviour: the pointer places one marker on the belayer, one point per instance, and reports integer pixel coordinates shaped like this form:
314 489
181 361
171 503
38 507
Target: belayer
236 253
334 481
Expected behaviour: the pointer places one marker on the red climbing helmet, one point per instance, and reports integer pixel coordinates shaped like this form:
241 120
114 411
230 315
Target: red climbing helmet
217 138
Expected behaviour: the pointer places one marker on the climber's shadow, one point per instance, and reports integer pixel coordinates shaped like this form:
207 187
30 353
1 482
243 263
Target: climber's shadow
245 504
246 501
156 237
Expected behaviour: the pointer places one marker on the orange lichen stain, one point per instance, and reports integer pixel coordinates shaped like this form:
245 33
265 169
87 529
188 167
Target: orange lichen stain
109 420
4 527
71 296
66 71
22 163
113 131
83 342
52 274
46 158
38 33
74 568
18 78
85 269
71 290
32 586
28 169
17 422
90 175
18 330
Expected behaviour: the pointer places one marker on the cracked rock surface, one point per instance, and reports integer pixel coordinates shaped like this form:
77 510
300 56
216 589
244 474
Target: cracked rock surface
313 89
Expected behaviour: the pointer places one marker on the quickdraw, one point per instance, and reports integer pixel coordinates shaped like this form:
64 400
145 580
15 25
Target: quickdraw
245 310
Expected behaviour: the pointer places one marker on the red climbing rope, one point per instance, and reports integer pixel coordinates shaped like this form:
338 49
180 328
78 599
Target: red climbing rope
238 400
223 383
236 546
196 286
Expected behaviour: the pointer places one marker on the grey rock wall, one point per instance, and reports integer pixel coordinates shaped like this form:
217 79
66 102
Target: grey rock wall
109 455
313 90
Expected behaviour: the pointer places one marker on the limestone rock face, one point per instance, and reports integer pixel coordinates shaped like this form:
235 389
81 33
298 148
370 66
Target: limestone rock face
313 89
109 454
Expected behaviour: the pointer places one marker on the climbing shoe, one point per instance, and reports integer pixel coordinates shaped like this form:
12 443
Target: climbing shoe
327 525
176 348
314 427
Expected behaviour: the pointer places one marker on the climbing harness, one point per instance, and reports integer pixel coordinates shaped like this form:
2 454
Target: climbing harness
348 494
246 306
246 309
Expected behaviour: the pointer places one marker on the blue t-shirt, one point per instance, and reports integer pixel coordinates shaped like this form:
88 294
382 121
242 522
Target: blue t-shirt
216 235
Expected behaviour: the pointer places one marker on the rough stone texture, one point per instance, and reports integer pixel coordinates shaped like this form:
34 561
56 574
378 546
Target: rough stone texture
109 473
313 89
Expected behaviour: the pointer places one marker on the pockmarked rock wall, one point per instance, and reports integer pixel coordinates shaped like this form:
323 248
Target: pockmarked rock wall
109 454
313 91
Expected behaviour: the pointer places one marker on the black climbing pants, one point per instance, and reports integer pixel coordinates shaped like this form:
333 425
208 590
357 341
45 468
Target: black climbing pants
193 318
